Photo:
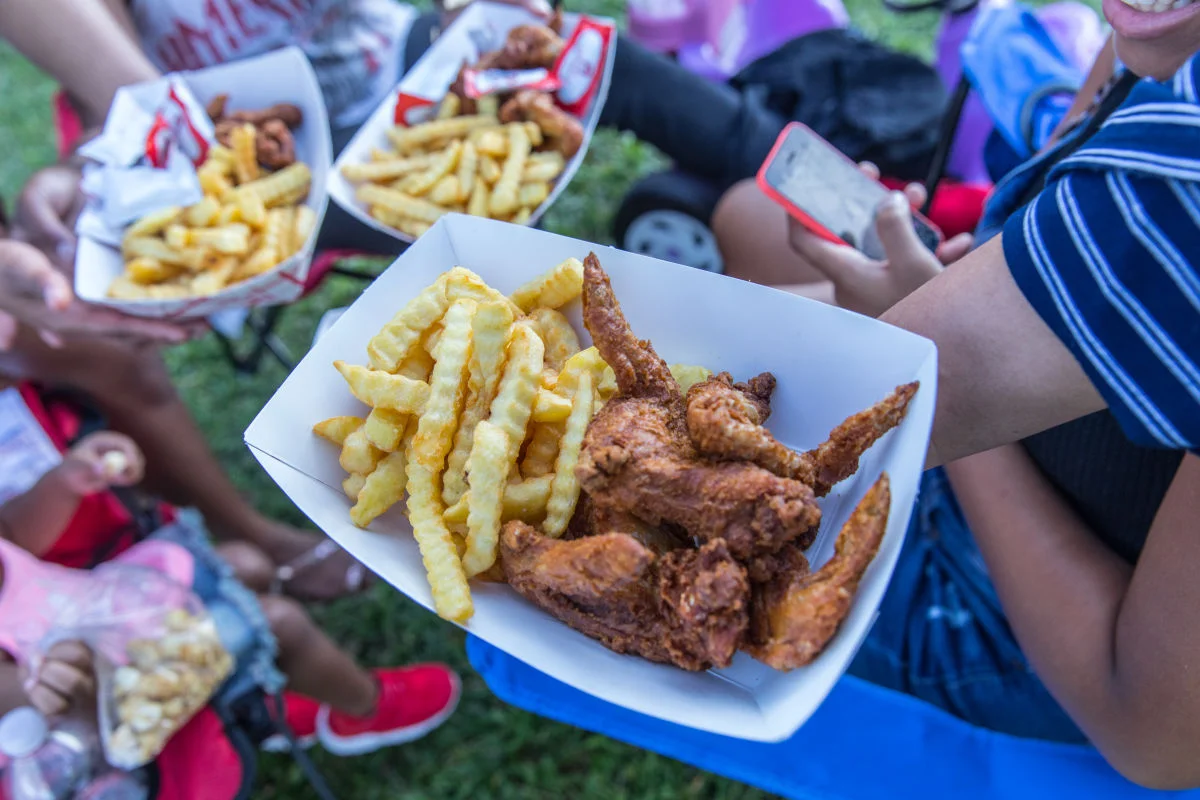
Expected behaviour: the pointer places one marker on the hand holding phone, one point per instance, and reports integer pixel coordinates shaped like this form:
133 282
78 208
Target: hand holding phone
828 193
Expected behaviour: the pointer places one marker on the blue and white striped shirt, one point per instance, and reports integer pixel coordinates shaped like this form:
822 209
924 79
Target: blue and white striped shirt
1109 256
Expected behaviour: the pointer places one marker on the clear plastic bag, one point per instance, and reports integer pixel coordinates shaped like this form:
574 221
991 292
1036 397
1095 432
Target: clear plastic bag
157 653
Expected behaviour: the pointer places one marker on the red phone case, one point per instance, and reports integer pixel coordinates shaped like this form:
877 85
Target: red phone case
795 211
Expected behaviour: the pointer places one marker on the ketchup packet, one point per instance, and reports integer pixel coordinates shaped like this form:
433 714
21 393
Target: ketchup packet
481 82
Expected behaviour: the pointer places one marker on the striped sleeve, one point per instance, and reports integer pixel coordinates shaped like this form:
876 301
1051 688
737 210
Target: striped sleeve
1108 255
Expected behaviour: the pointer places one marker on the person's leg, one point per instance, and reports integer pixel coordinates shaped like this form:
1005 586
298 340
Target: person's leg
707 128
132 387
751 230
941 634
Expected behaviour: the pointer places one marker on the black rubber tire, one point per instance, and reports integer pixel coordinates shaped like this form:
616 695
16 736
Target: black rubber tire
671 190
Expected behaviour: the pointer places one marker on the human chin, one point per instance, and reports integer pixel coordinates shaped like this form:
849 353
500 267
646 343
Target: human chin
1154 37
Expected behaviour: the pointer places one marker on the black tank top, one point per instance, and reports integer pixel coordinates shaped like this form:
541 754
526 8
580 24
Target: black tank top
1114 485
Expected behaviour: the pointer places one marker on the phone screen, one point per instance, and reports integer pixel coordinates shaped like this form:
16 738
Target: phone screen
830 188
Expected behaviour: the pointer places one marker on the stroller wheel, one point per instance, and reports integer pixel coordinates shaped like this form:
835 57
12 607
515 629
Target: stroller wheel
666 216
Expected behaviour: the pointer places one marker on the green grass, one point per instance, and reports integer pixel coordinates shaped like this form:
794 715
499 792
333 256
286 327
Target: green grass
489 750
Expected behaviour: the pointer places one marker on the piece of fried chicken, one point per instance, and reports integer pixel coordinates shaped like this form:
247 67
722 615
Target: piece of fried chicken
639 459
689 607
563 131
726 420
794 616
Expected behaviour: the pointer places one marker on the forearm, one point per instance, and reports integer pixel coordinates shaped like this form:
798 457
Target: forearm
80 44
1064 592
35 520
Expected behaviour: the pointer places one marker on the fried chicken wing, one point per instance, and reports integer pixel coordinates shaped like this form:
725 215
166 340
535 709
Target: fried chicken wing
689 608
564 131
726 421
795 615
638 458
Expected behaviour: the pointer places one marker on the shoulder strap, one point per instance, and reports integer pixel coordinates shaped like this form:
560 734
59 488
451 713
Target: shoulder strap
1103 70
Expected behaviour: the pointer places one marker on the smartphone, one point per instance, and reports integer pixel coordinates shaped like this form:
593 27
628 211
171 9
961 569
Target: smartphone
828 194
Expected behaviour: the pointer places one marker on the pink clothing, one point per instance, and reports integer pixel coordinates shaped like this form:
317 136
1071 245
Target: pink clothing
34 593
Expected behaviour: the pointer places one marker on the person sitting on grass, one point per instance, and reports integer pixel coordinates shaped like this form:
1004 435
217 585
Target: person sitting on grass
351 710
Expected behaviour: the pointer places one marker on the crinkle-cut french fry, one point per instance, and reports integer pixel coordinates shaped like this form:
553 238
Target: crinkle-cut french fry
488 466
153 223
400 204
388 169
449 107
490 330
405 225
446 192
388 348
549 374
192 258
124 289
477 206
353 485
417 366
382 489
564 491
543 167
285 187
553 289
534 132
202 214
336 429
405 140
532 195
462 283
491 142
505 194
147 271
430 340
427 457
522 216
251 209
488 105
688 375
560 338
214 183
381 154
524 500
515 395
233 238
303 227
468 165
420 183
385 428
245 153
541 450
550 407
380 389
219 156
216 277
359 455
489 169
262 260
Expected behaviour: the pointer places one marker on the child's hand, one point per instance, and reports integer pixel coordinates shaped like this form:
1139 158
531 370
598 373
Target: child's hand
102 460
66 680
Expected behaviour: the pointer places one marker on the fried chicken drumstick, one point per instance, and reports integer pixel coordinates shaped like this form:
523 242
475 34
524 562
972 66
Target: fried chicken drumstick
639 459
725 421
796 615
689 607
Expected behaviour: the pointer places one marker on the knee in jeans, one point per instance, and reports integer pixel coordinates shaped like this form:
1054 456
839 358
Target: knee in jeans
250 565
288 620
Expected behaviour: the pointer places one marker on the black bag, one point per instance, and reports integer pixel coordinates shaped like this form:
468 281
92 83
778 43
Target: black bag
872 103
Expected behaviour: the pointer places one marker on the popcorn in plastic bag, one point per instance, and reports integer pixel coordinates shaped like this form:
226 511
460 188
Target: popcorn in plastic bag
157 653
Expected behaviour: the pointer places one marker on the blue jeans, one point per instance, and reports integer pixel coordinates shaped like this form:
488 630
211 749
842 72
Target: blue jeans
942 636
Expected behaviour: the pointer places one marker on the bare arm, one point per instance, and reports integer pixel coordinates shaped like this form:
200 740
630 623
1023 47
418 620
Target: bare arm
1116 645
81 44
1002 373
34 520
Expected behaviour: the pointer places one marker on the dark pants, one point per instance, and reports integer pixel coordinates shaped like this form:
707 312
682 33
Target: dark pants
706 128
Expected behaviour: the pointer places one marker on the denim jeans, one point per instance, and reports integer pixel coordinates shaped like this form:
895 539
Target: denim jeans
942 637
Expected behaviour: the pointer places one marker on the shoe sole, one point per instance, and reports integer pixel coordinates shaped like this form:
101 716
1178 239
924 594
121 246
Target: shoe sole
370 742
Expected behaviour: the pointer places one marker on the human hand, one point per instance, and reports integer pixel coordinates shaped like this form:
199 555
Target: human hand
40 296
100 461
539 8
46 211
869 286
65 680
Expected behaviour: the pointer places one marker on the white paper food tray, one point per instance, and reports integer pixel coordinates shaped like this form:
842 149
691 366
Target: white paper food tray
282 76
430 78
829 363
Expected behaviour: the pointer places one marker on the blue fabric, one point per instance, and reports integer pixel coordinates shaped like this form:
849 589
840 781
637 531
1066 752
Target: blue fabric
863 743
1107 255
942 636
1011 62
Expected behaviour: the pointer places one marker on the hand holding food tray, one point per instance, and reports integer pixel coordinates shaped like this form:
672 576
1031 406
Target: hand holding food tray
599 546
493 121
239 155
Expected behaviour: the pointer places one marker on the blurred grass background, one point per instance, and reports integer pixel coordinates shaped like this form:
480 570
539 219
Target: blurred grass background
488 750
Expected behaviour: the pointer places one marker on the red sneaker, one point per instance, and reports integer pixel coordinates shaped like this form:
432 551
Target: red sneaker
300 713
412 702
